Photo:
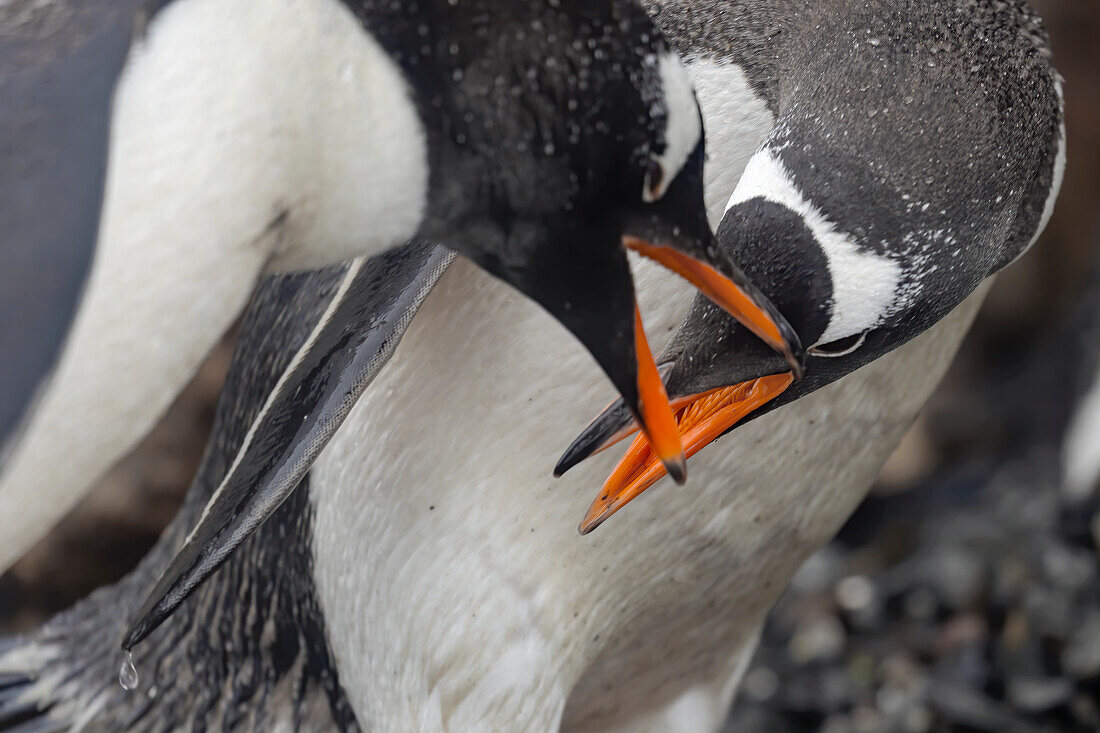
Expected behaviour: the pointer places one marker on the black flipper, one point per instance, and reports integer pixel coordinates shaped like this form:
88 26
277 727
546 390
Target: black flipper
356 335
59 62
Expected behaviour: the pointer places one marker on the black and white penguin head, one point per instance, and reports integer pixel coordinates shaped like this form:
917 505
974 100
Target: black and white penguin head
575 115
559 135
801 225
530 106
850 306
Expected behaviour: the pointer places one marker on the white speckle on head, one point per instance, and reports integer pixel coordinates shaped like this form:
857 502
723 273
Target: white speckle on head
865 284
683 128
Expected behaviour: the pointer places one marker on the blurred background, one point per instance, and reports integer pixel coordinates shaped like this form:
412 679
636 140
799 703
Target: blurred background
964 595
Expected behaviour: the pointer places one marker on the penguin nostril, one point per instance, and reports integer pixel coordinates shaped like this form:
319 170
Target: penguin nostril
654 178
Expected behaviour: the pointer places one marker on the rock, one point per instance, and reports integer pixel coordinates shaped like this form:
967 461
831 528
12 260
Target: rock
918 719
761 684
966 668
921 604
817 640
1081 655
1039 694
821 571
855 593
1070 567
1086 711
956 574
1050 611
963 630
965 706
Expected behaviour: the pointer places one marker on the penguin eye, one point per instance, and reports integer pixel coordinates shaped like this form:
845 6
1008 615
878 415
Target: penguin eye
840 347
653 189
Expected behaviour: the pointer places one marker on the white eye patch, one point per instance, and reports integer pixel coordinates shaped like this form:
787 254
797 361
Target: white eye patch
683 128
865 284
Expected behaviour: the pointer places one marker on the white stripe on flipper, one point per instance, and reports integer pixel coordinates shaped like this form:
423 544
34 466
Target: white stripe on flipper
865 284
280 386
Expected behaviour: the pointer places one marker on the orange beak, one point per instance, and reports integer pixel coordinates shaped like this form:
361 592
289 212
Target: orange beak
699 420
655 413
740 301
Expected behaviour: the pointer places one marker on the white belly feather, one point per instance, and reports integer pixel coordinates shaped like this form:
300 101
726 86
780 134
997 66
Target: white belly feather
454 584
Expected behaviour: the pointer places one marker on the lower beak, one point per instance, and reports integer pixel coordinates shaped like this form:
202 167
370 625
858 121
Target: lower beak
699 420
737 296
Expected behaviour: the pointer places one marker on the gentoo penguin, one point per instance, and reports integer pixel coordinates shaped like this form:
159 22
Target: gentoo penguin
428 575
248 136
868 214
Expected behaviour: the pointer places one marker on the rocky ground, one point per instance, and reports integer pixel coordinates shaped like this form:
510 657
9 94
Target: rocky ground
972 605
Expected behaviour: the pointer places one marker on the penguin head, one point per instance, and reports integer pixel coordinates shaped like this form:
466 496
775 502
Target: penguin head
718 373
563 149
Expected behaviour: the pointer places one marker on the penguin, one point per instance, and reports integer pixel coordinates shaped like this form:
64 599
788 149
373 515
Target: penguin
535 138
427 575
868 218
216 668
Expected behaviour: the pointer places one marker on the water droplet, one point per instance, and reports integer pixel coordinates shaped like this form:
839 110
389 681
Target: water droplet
127 673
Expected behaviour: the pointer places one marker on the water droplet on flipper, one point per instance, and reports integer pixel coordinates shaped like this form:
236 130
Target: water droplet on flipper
127 673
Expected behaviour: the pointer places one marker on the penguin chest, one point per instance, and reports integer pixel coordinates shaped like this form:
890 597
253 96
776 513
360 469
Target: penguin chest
456 591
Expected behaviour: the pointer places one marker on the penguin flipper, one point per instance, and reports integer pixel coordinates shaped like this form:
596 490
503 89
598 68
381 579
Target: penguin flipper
355 336
59 62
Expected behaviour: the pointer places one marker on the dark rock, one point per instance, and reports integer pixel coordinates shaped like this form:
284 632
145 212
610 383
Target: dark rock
1039 694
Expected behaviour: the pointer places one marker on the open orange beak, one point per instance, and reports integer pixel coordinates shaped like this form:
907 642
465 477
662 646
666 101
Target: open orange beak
699 420
740 300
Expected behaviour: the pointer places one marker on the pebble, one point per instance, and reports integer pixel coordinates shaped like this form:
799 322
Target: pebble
1081 655
855 593
956 575
1037 694
817 640
761 684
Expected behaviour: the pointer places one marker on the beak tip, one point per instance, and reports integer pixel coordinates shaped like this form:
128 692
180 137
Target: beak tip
591 522
677 469
798 367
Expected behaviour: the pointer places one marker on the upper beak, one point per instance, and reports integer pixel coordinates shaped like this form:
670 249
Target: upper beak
735 294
